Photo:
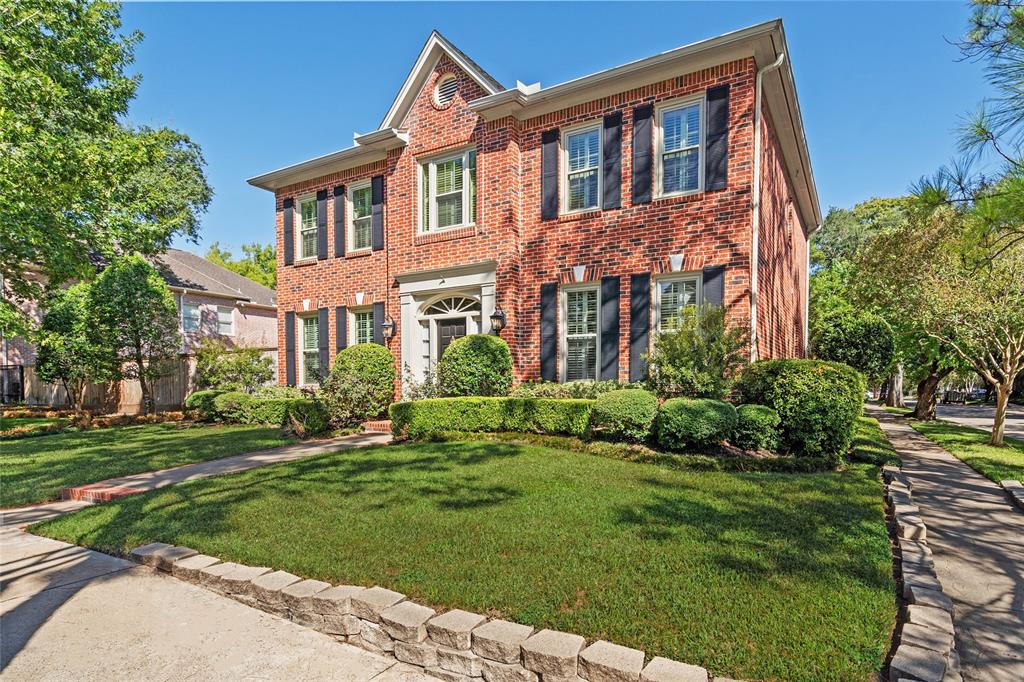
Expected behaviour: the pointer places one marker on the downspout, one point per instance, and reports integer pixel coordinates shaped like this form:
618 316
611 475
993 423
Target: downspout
756 203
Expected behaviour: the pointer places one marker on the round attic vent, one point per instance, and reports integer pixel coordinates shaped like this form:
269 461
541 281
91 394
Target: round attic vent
445 91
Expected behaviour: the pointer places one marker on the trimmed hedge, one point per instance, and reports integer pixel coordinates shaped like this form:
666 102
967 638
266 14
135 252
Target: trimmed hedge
587 390
757 428
201 403
539 415
303 416
231 405
694 423
818 401
476 365
627 414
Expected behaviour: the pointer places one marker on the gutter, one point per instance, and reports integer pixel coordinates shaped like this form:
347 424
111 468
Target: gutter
755 242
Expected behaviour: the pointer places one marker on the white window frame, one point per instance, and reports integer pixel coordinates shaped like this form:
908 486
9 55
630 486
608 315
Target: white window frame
659 144
199 317
563 338
231 311
429 165
311 198
675 277
350 216
353 331
563 153
302 348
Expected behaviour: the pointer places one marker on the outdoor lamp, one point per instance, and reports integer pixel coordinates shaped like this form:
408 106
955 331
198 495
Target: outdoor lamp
498 320
387 328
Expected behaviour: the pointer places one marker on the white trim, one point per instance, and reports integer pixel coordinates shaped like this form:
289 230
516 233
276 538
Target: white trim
659 143
350 216
429 164
300 379
658 280
563 175
231 310
563 344
299 201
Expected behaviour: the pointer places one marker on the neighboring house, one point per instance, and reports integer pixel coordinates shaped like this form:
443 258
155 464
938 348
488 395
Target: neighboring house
212 301
581 215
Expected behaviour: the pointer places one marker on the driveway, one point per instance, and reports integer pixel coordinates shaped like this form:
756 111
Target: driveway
71 613
980 417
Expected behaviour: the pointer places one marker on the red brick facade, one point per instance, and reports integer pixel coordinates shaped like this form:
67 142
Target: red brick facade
709 228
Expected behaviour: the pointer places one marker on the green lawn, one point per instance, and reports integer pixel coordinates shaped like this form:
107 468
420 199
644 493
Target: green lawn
971 446
35 469
14 422
870 444
756 576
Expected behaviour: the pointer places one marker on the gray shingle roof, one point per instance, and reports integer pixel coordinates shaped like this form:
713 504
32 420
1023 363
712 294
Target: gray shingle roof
186 270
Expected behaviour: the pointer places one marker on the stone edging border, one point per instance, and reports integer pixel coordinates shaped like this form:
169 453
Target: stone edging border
925 646
1015 489
456 646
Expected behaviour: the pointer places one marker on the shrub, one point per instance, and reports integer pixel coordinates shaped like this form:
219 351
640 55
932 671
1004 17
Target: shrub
478 364
361 384
584 390
538 415
757 428
861 340
626 414
201 404
231 405
818 402
277 392
267 411
306 418
231 369
687 423
700 358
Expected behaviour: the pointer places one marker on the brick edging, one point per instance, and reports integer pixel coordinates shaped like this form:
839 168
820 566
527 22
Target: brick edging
925 645
1015 491
455 646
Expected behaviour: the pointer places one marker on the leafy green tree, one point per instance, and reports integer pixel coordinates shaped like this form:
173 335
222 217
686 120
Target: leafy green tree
258 262
859 339
231 369
66 354
134 317
76 181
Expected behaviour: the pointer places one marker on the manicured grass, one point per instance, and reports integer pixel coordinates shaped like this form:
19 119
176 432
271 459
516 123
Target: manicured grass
15 422
897 410
35 469
870 444
753 575
971 446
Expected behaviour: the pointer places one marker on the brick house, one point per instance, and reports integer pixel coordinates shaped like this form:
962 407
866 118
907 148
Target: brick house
582 215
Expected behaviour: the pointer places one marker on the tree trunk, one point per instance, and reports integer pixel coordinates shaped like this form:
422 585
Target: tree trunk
69 393
147 395
927 390
884 391
896 389
999 423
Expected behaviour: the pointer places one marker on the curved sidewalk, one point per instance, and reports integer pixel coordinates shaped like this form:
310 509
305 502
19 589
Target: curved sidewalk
977 538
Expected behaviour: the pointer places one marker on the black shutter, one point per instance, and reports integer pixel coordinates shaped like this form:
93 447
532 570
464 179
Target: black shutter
609 328
716 168
378 320
549 175
324 346
339 221
289 231
643 139
341 327
639 324
377 219
714 285
612 166
549 331
289 347
321 224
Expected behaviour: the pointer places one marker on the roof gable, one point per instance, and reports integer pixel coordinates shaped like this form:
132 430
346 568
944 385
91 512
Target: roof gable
435 46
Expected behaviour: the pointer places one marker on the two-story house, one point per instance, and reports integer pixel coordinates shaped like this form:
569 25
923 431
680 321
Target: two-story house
575 220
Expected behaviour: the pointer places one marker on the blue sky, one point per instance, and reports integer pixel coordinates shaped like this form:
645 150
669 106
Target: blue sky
262 85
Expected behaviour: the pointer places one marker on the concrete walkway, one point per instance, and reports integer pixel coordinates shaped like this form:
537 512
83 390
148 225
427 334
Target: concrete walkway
978 544
71 613
138 483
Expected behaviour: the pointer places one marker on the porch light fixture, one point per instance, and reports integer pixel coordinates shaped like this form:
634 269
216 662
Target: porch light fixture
387 328
498 320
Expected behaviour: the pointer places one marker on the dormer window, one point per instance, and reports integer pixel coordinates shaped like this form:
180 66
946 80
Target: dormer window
448 191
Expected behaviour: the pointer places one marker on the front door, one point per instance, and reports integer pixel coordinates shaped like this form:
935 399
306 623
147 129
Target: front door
448 331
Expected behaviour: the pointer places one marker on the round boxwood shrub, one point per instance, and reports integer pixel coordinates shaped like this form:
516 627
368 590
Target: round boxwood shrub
231 405
361 384
818 402
625 415
694 423
200 403
478 364
757 428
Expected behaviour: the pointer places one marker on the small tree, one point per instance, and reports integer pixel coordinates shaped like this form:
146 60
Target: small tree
66 354
700 357
238 369
861 340
134 318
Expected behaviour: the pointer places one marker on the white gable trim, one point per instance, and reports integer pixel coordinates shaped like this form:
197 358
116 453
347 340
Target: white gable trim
435 46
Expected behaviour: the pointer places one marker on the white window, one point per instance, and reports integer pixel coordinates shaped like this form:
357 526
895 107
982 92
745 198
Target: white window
362 326
225 320
361 217
580 309
673 296
307 228
582 164
680 138
448 191
191 317
310 351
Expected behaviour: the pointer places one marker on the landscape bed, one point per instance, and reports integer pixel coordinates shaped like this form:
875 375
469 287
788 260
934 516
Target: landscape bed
752 575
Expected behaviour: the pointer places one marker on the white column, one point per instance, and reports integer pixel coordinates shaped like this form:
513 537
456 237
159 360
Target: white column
486 307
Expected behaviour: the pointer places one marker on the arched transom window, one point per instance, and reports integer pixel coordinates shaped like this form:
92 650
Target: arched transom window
454 305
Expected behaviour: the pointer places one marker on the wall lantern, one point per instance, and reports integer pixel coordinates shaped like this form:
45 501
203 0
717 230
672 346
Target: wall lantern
387 328
498 320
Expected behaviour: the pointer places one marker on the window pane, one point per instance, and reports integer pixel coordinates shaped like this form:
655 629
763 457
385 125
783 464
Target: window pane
190 317
682 128
310 368
361 233
681 171
224 320
581 312
581 359
583 190
584 150
449 210
449 176
362 203
308 215
676 295
364 327
310 333
308 243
